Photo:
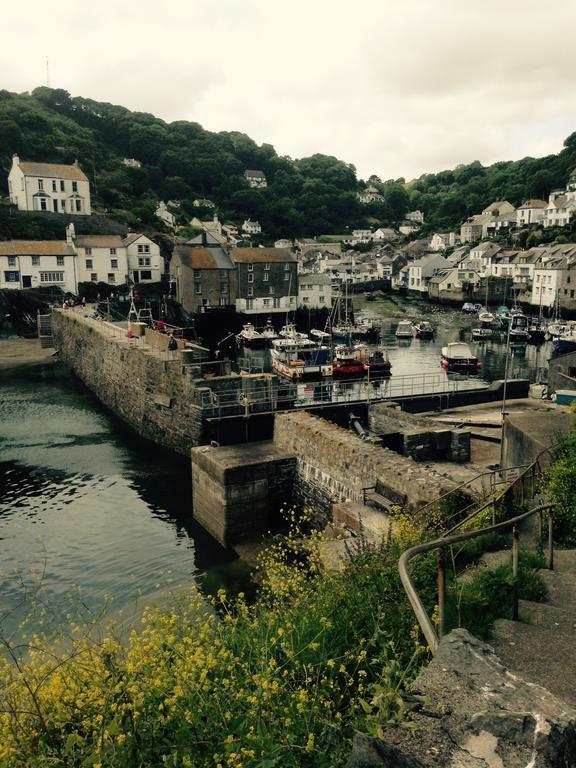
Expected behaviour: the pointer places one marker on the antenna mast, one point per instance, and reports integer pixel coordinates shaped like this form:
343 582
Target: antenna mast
47 72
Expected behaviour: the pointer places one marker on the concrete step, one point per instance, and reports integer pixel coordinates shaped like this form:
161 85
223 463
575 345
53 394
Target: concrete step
561 588
538 654
565 560
545 615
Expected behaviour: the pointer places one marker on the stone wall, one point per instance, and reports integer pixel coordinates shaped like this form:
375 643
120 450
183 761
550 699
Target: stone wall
528 433
162 399
238 490
333 465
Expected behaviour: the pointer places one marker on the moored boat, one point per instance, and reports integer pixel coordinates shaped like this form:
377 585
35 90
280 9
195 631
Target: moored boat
375 359
346 363
468 307
518 329
404 330
250 337
457 356
296 358
481 334
423 330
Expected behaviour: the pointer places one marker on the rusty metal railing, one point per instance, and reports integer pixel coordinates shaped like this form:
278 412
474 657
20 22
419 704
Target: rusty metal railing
450 537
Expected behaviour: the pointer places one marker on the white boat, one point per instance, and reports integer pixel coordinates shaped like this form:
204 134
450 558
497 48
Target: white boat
481 334
404 330
518 329
321 336
268 332
250 337
289 331
457 356
298 357
486 318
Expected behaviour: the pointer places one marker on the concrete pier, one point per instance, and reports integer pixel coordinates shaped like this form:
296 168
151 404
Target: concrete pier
238 489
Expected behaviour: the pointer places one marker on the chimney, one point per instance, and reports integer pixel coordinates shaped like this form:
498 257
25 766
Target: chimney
204 241
15 159
70 234
75 163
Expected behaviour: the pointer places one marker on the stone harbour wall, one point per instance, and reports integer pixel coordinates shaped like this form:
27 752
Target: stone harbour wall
333 465
160 398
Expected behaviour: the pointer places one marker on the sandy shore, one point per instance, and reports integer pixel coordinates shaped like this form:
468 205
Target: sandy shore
15 350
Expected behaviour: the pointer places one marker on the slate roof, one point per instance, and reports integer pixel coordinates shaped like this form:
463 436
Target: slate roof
255 174
35 248
250 255
533 204
99 241
53 170
203 258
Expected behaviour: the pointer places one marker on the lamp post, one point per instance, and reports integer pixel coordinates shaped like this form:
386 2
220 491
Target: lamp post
504 395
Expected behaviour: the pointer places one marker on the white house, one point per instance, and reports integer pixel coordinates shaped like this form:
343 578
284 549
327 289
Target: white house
548 277
101 259
559 210
370 195
416 216
145 264
442 240
283 243
49 187
256 179
530 212
130 162
384 235
165 215
361 236
481 257
35 263
421 270
202 202
315 291
251 227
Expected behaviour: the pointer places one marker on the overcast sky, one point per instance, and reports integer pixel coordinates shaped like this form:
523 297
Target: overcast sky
397 87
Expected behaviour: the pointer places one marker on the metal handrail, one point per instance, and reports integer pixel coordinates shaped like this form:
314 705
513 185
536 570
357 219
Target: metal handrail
440 544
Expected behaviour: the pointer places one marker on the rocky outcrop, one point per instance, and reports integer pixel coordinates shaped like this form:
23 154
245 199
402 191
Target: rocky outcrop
471 712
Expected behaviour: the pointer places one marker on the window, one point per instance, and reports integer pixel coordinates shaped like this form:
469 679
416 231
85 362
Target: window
322 299
267 266
286 267
286 277
143 249
113 263
223 275
250 278
40 184
305 299
250 291
89 264
146 274
271 290
11 261
197 288
222 301
276 303
568 279
63 204
51 277
54 186
11 277
266 302
62 186
59 261
43 204
144 261
78 205
74 186
266 277
112 251
111 277
88 251
572 294
35 261
249 303
94 277
250 267
223 287
197 273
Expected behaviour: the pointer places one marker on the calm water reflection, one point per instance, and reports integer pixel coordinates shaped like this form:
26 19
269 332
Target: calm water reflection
106 516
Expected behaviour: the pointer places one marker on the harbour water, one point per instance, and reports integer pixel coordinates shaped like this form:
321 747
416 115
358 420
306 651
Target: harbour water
92 519
100 520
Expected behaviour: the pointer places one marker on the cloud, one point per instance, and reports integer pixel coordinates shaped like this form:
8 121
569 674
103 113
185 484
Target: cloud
394 89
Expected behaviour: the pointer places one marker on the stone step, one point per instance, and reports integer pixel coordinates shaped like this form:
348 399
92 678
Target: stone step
565 560
561 588
538 654
546 615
